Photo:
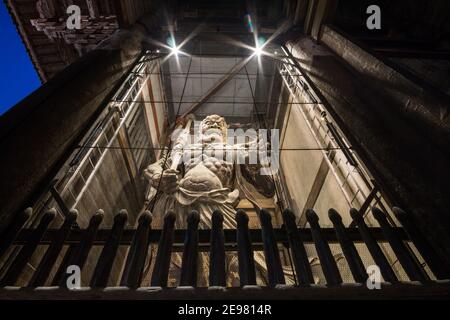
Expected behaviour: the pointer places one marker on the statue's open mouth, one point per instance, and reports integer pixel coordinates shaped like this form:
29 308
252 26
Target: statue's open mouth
213 130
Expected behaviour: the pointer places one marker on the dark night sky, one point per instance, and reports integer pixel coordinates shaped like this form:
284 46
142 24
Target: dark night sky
18 77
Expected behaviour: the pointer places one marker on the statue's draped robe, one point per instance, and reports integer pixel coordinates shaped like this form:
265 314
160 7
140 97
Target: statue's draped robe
205 203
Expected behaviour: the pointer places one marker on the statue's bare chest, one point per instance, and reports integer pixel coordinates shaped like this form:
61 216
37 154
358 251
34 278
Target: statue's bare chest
198 157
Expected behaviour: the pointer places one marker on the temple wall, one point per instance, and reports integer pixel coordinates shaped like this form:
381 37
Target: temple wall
305 170
393 139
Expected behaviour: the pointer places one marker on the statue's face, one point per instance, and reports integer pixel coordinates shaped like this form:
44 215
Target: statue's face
213 129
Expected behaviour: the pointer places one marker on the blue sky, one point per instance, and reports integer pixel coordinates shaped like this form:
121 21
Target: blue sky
18 78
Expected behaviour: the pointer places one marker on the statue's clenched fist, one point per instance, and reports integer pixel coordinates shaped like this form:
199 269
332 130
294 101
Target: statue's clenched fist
167 182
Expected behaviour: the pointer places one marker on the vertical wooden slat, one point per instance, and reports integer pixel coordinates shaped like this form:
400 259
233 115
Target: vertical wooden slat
328 264
299 256
84 247
247 273
440 269
348 248
24 255
217 276
188 275
375 251
9 234
60 273
162 262
413 270
273 262
86 242
134 266
51 255
105 262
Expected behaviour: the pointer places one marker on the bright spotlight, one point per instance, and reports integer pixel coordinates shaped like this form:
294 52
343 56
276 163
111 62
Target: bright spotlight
258 51
175 50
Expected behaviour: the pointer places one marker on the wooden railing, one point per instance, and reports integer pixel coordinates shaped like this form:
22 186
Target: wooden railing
216 241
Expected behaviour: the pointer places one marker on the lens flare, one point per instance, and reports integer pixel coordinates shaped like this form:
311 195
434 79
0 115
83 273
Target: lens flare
258 51
175 51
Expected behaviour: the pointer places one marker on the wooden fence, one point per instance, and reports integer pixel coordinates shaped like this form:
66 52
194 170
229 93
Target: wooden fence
216 241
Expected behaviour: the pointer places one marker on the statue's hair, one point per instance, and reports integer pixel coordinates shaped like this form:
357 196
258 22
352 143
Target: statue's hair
215 117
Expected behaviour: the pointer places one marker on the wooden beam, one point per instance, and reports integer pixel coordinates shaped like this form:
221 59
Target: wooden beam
167 85
205 236
412 53
402 291
218 85
319 12
93 8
